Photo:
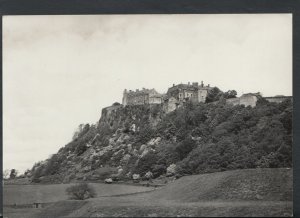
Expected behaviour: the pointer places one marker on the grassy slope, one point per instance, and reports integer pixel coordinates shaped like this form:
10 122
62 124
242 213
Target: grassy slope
251 192
28 194
249 184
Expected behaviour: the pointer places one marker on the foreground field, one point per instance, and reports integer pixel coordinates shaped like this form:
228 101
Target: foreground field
253 192
28 194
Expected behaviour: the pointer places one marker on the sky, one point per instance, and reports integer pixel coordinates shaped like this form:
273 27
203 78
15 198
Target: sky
60 71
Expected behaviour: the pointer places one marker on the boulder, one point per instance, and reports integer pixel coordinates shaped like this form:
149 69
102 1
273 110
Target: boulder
171 170
144 152
105 149
157 140
119 152
135 152
149 175
111 141
120 171
108 180
136 176
125 159
126 137
151 142
128 174
142 148
133 127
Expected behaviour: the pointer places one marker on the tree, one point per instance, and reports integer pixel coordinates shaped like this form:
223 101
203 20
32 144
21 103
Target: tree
81 191
214 95
6 174
13 174
185 147
230 94
81 130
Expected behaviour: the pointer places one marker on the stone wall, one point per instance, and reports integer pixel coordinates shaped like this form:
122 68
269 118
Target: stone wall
140 97
170 105
108 110
155 100
278 99
202 94
246 99
233 101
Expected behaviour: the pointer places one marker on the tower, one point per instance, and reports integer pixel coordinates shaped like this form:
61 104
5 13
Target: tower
125 97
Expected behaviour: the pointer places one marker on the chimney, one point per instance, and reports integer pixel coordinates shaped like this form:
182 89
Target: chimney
207 85
173 84
202 84
125 90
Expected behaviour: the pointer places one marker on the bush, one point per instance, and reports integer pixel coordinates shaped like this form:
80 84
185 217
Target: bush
80 191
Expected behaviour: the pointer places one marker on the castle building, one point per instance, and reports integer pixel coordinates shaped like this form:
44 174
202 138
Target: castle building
193 92
140 97
177 95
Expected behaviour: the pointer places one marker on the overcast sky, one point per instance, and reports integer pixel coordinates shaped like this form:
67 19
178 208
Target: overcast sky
60 71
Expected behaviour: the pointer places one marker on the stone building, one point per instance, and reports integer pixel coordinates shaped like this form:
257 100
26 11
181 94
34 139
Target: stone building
193 92
248 99
278 98
140 97
177 95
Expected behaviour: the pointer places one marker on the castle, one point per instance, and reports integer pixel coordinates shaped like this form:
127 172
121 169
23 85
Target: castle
177 95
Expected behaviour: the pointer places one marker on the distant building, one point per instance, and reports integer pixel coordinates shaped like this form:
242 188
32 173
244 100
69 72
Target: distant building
193 92
140 97
177 95
248 99
278 98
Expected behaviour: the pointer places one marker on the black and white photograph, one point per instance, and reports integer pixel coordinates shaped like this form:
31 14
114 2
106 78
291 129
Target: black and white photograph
147 115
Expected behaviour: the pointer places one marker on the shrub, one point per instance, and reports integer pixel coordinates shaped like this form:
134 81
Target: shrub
81 191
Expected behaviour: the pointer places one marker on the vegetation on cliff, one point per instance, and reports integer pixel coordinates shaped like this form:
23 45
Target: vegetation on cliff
197 138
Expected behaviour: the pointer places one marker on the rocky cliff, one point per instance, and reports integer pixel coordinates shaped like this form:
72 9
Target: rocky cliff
142 142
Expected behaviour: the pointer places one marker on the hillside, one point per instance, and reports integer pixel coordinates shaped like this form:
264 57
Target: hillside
249 184
242 193
196 138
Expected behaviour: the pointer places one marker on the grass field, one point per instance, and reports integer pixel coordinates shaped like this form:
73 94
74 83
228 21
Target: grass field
28 194
253 192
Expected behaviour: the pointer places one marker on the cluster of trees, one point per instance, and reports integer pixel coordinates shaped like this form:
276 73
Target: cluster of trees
215 94
234 137
10 174
203 138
